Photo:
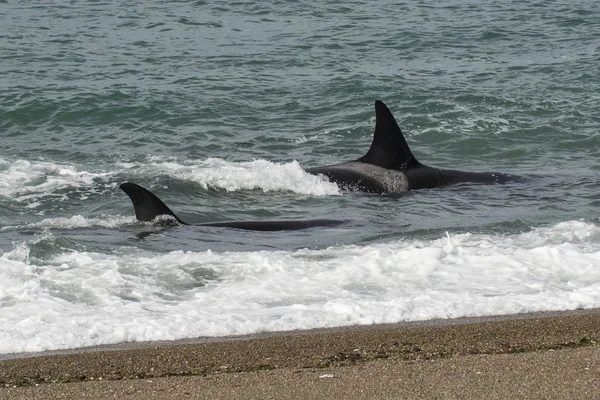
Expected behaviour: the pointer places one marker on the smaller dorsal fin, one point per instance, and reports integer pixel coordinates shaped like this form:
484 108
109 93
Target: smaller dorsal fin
389 149
147 205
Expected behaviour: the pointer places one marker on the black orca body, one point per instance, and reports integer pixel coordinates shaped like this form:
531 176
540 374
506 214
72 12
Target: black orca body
390 167
148 207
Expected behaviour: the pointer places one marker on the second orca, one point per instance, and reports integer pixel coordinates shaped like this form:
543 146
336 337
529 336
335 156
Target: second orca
148 207
390 167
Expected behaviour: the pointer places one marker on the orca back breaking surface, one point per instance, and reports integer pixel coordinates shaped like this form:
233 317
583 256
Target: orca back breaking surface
390 167
148 207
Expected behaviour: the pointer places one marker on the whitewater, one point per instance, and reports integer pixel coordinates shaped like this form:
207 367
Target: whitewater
69 296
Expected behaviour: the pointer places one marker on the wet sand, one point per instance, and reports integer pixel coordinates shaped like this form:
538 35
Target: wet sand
550 355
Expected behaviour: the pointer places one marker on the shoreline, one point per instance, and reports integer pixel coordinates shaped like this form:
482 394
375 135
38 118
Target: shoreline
397 348
300 332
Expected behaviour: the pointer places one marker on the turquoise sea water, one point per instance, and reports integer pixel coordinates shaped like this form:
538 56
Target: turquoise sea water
217 106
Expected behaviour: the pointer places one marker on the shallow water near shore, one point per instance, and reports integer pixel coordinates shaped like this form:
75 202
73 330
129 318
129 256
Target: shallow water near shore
218 109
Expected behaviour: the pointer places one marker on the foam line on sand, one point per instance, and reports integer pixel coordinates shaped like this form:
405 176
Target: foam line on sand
549 355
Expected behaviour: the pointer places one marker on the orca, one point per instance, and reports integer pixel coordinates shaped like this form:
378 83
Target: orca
148 207
390 167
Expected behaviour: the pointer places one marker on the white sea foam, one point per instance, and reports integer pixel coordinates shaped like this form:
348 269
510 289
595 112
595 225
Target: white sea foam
87 298
75 222
232 176
78 221
27 181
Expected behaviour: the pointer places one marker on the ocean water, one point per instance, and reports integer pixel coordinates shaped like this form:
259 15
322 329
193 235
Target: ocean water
218 107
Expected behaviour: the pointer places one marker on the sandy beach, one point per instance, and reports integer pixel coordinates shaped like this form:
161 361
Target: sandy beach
549 355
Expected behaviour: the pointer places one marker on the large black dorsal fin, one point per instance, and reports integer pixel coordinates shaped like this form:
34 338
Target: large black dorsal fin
389 149
147 205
